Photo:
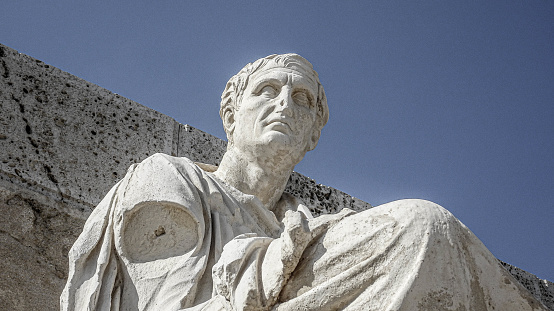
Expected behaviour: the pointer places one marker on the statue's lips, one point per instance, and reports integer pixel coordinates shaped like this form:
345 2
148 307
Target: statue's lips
279 124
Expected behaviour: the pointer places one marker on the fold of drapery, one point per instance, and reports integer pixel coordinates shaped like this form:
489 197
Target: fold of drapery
106 274
403 255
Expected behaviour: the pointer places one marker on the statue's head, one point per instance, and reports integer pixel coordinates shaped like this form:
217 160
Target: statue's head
275 96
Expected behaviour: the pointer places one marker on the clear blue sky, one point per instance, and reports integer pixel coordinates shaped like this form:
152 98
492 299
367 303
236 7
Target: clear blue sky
447 101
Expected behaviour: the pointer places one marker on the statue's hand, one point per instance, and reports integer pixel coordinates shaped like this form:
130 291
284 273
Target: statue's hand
296 232
283 254
299 232
236 276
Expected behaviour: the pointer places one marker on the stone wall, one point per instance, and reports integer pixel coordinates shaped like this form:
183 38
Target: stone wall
63 143
542 289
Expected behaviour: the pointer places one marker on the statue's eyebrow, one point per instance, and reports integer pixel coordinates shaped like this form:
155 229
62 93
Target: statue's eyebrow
279 81
264 81
299 86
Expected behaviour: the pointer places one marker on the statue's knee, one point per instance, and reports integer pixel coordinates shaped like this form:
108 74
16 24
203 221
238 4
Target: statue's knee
419 214
417 208
428 209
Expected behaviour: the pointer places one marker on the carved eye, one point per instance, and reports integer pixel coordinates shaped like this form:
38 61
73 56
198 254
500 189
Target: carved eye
268 91
302 99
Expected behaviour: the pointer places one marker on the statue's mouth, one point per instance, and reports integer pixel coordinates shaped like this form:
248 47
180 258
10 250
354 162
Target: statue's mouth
279 123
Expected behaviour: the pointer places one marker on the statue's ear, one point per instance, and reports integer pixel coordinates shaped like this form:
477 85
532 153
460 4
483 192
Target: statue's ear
229 121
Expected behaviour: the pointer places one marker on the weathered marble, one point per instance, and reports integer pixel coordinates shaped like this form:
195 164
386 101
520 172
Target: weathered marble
179 235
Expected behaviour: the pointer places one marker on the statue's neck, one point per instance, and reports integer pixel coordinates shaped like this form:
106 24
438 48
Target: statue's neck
255 175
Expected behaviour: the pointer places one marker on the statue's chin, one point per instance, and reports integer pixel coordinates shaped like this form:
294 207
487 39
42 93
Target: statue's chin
275 144
277 137
278 142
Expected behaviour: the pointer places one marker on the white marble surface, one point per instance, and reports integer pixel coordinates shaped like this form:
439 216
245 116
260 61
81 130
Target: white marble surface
173 235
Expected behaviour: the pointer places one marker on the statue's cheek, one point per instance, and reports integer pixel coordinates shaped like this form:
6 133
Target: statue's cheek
156 230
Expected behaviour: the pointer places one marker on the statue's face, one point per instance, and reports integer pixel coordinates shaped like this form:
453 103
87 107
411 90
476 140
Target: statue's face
278 110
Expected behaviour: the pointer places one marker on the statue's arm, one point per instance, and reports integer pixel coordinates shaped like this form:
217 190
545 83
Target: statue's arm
159 186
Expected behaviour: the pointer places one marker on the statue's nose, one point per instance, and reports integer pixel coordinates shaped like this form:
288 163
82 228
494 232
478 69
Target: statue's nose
286 102
285 106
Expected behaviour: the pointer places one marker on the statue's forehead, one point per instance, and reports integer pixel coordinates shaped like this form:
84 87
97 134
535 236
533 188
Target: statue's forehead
298 74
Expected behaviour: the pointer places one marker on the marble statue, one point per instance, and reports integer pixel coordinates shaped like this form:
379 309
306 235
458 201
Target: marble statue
179 235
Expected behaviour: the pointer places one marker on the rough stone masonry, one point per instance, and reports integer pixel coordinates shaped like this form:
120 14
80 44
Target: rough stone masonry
63 143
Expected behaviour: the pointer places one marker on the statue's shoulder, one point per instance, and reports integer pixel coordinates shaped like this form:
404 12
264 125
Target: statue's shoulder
161 163
167 159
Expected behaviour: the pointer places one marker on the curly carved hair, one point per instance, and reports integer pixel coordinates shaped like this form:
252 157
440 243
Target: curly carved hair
232 95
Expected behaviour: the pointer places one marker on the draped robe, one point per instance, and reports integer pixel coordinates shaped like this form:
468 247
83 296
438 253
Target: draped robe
171 236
